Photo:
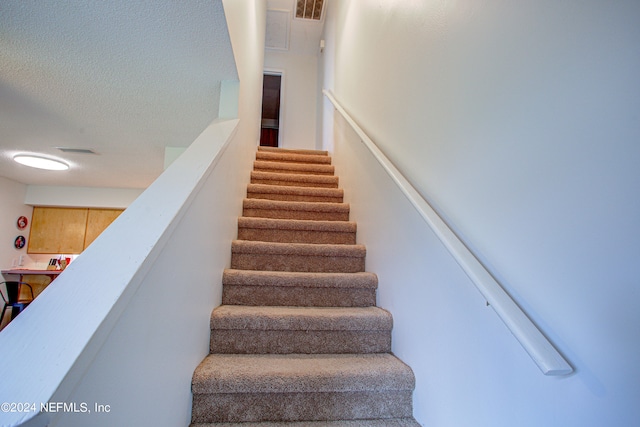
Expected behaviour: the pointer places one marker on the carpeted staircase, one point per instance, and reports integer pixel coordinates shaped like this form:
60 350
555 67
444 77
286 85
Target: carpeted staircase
298 340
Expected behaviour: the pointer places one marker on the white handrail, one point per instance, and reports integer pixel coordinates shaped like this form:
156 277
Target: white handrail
543 353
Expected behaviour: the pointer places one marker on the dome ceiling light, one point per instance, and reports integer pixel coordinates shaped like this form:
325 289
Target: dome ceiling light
41 162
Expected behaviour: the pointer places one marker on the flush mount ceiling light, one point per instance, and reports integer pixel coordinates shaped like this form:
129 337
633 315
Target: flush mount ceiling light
41 162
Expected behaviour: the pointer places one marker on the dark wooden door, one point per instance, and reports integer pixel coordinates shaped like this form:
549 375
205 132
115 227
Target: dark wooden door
271 85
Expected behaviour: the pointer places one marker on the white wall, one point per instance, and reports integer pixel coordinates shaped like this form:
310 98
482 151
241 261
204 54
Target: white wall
298 97
519 123
12 207
89 197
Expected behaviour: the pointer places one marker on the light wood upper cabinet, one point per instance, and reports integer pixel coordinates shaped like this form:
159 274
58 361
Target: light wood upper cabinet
97 221
57 230
66 230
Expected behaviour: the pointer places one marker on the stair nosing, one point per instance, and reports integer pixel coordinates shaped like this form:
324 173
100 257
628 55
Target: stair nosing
296 205
298 176
296 224
319 169
377 422
294 190
286 318
360 280
303 249
301 373
293 158
293 150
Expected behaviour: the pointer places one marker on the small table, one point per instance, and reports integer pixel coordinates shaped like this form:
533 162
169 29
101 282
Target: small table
52 274
15 309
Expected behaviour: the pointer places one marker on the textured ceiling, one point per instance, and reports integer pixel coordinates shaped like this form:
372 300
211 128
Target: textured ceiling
124 78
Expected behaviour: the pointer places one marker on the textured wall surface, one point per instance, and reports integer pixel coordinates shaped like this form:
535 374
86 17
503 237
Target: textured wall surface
124 78
12 207
519 122
298 103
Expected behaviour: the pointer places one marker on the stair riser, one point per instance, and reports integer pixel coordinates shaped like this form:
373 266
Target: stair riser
388 422
294 183
267 168
296 214
306 342
296 168
296 236
294 197
292 158
294 179
254 407
288 262
298 296
293 150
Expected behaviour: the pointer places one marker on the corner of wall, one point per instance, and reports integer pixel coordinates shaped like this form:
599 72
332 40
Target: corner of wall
229 99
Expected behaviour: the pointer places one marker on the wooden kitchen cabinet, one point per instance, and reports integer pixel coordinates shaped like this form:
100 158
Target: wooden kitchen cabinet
57 230
66 230
97 221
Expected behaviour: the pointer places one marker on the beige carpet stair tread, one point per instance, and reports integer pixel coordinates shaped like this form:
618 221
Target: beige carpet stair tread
300 168
284 157
293 224
301 318
310 257
301 373
285 288
318 406
298 296
395 422
296 236
293 207
300 180
302 330
266 188
302 249
296 206
299 279
294 150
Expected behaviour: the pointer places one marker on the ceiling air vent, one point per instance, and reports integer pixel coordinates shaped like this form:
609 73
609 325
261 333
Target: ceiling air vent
76 150
309 9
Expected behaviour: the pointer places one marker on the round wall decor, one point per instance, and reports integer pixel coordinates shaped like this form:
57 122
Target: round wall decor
22 222
19 242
